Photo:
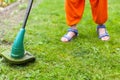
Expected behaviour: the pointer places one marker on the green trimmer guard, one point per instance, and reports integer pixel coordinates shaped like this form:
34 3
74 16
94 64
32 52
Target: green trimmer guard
25 59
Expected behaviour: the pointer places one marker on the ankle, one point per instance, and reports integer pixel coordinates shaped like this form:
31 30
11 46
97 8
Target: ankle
73 27
100 24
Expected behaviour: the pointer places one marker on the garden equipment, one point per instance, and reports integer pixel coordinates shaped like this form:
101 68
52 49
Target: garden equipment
18 55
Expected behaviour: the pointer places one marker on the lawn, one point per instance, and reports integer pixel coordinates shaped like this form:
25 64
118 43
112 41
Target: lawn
84 58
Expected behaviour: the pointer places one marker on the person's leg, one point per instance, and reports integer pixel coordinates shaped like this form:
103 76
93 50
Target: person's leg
74 10
100 15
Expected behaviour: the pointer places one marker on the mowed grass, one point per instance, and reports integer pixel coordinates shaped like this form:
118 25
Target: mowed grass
84 58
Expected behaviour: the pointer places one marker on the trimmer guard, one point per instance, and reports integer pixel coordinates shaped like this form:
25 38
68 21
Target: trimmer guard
28 57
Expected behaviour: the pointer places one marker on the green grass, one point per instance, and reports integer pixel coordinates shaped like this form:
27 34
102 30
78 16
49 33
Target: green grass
84 58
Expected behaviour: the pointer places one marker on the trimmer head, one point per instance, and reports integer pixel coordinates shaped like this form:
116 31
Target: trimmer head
27 58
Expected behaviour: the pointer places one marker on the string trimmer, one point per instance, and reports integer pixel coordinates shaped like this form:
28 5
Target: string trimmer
18 55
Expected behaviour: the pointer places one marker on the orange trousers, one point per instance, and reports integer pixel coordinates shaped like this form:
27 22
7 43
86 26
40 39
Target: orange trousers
74 11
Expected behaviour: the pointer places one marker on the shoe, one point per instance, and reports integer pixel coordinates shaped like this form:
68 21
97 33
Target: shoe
75 31
102 35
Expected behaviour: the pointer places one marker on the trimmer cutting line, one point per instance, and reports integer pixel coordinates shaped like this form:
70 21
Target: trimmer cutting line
18 55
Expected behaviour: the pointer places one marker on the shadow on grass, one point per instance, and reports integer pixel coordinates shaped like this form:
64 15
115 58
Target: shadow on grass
5 42
80 51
